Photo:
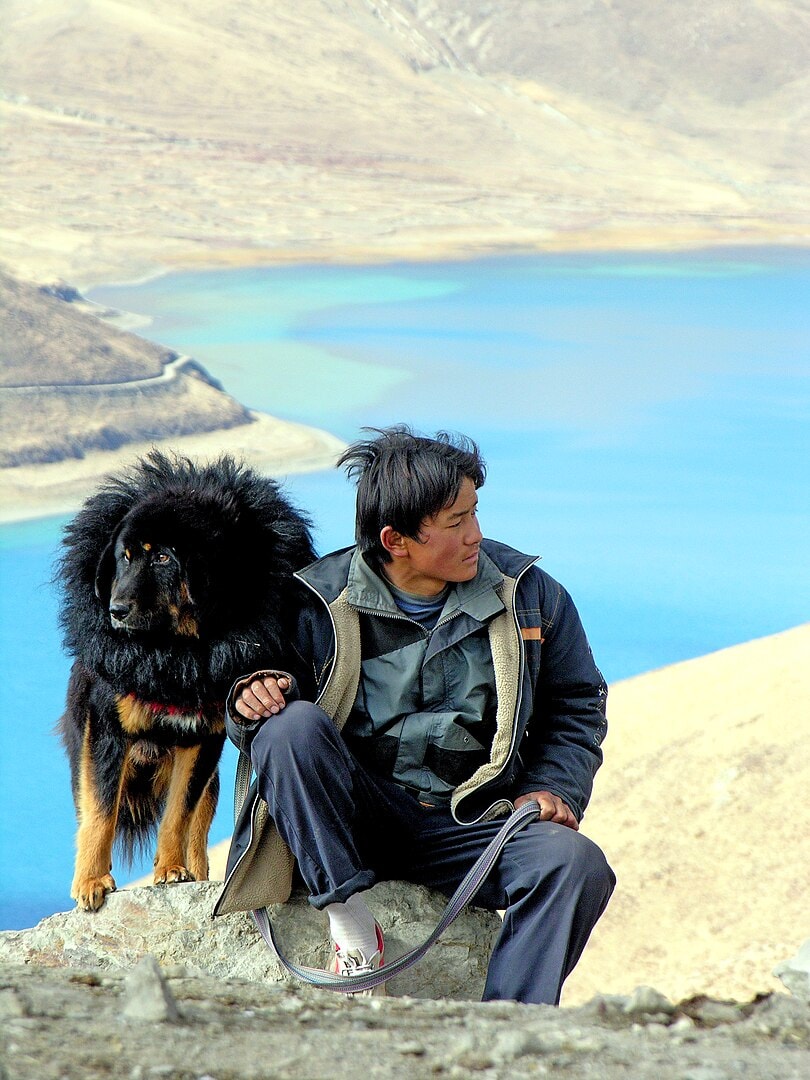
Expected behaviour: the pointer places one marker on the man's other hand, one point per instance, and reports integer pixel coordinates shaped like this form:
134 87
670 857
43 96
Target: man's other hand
552 808
262 698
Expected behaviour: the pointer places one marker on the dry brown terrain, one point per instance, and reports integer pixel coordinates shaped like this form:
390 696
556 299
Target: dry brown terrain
70 384
702 806
146 133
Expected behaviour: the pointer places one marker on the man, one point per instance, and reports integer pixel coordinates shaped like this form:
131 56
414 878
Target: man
437 680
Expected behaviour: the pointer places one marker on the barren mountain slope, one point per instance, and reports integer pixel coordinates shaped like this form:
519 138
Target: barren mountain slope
688 66
149 132
70 384
47 341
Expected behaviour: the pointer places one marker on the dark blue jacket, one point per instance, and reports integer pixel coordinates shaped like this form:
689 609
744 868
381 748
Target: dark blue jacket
550 719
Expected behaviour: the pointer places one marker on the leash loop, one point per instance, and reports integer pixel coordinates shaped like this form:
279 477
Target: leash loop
468 887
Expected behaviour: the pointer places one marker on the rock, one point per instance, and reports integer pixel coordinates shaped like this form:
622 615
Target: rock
607 1006
683 1030
11 1004
646 1002
795 973
705 1072
711 1013
778 1016
147 995
173 923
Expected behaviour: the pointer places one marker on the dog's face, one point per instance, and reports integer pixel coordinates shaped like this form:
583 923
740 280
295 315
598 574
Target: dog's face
148 586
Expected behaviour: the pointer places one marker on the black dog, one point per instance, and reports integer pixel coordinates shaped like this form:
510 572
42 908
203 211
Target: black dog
176 579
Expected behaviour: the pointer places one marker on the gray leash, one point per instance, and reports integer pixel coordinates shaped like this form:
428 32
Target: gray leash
354 984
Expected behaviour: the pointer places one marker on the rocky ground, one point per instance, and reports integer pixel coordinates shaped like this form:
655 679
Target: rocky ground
65 1023
148 987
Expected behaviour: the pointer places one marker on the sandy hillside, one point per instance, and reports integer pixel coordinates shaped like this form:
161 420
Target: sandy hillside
147 133
703 808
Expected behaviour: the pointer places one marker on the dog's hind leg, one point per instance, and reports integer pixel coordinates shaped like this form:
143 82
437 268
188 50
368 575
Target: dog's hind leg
201 820
180 835
206 783
203 795
98 794
170 859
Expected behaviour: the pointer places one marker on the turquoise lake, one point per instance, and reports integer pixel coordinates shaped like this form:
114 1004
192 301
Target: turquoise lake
644 419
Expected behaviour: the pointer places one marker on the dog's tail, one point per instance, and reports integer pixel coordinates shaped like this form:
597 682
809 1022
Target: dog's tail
143 797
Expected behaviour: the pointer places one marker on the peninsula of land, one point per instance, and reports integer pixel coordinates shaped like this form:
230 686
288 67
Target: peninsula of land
80 398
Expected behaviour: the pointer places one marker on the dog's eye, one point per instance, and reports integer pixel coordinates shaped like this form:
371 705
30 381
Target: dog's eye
161 557
128 555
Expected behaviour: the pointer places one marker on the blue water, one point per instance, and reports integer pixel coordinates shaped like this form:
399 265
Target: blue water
644 419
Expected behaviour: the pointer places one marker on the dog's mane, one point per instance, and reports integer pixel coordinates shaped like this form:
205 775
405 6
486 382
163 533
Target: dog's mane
223 502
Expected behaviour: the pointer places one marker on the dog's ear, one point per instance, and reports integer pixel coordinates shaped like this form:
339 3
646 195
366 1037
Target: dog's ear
191 578
185 587
105 569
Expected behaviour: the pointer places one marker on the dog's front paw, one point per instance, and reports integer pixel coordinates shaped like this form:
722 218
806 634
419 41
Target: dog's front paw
90 892
168 875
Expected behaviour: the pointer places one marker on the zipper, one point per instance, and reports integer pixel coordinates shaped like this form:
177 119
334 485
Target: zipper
312 589
390 615
518 703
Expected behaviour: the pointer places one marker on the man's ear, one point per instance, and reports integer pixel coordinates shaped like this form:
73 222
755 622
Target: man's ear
394 543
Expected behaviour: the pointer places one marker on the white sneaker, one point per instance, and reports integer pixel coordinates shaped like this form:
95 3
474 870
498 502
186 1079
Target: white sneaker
351 962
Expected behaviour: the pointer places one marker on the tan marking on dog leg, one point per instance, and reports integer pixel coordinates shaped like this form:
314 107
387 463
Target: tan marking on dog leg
170 861
201 819
92 879
136 718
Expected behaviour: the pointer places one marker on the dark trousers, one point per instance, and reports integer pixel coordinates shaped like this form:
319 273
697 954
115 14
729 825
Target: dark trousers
349 828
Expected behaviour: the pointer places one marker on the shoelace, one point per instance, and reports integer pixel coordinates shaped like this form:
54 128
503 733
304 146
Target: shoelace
353 961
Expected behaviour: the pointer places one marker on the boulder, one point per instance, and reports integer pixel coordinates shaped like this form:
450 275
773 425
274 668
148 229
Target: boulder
173 923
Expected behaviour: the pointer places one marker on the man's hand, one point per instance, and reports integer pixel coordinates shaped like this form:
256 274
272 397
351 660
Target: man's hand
262 698
552 808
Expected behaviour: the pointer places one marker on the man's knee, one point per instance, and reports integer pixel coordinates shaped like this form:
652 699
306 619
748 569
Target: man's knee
556 850
298 729
592 867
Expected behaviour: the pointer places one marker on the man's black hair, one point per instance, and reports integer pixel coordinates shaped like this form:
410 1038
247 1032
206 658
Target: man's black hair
403 478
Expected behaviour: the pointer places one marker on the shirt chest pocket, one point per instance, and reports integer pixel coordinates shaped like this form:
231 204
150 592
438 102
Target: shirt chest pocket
453 753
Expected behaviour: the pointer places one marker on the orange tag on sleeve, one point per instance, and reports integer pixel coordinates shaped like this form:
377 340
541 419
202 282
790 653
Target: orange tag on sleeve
531 633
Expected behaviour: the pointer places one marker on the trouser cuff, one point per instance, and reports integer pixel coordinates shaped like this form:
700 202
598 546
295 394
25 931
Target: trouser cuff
362 880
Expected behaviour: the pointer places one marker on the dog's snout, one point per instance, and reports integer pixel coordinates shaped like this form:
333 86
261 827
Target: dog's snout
120 609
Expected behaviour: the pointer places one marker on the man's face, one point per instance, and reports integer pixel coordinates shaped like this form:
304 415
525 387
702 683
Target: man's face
446 550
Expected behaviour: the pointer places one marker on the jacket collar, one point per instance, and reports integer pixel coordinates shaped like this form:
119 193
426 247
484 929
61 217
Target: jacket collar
367 591
329 575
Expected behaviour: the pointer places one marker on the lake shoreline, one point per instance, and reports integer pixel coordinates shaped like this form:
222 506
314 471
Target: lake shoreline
135 270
